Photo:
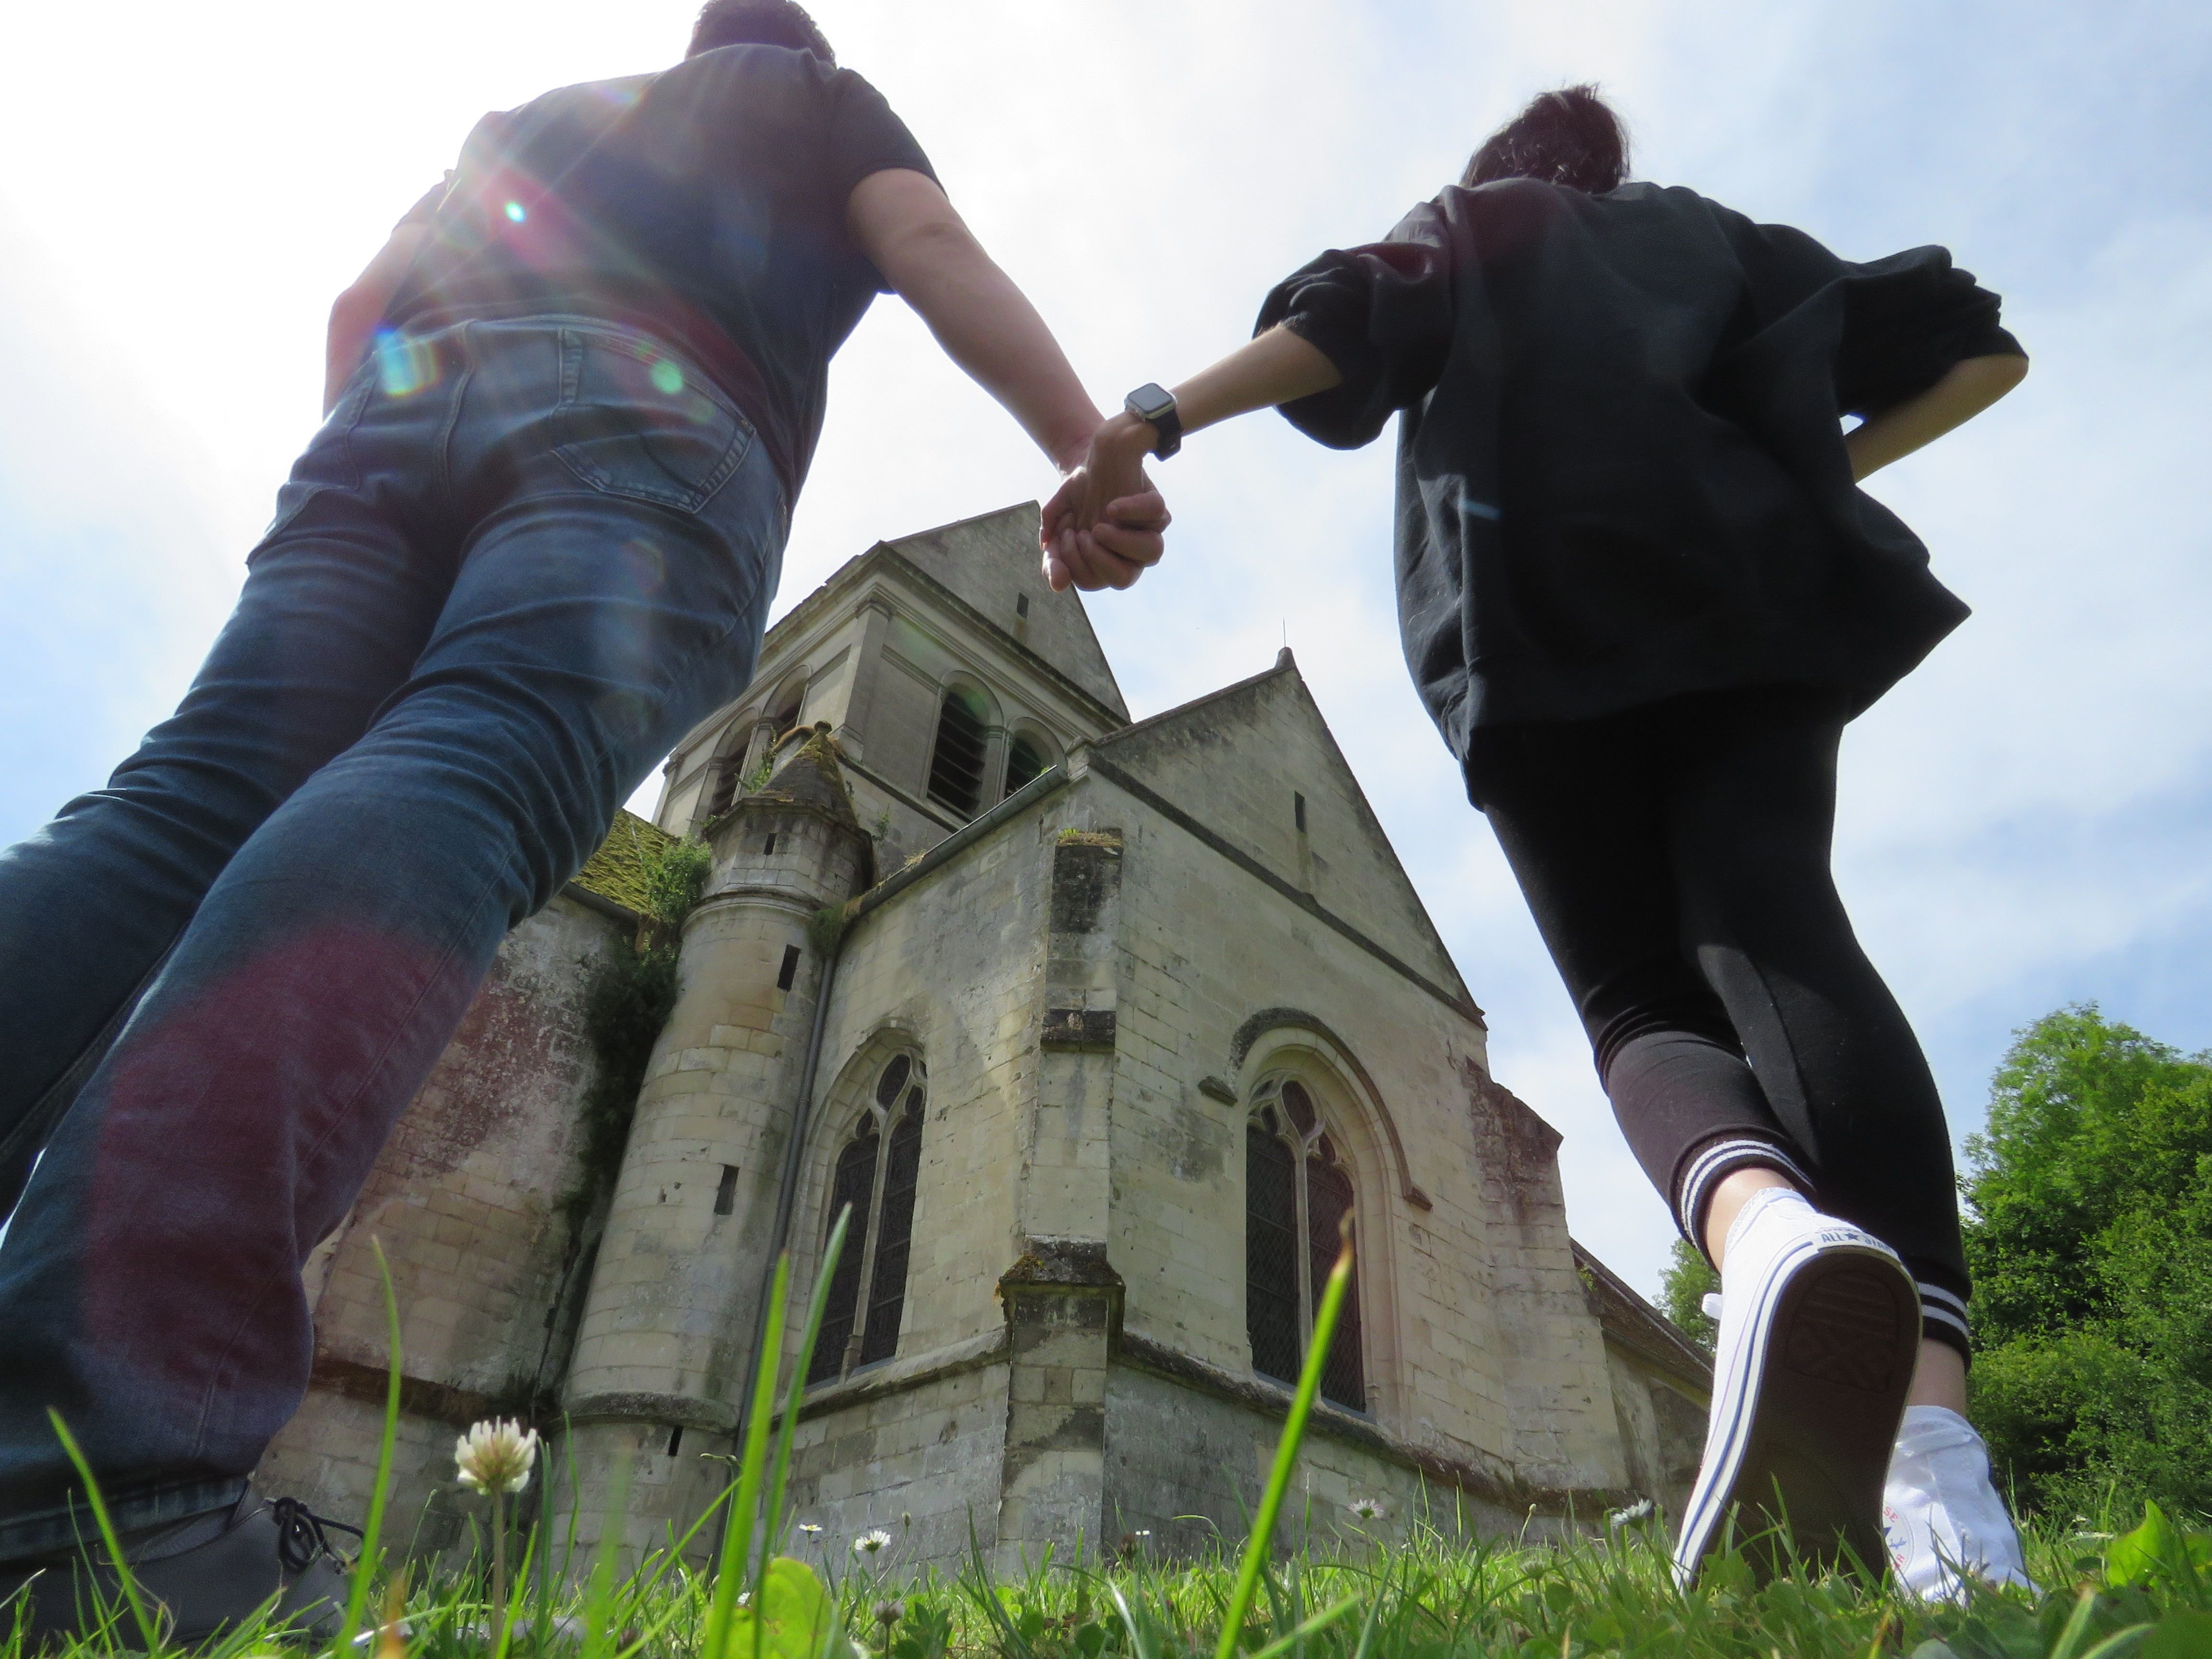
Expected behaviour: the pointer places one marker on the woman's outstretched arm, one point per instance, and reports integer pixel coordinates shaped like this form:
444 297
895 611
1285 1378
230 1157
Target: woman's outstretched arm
1279 366
1965 391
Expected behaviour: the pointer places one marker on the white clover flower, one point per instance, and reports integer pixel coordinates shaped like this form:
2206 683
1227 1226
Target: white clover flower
872 1543
496 1456
1637 1511
1369 1509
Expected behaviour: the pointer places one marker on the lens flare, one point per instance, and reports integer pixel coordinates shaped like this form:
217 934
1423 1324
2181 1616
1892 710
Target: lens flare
514 211
667 377
404 366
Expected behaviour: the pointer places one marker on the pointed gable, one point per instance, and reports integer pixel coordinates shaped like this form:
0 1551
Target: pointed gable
1238 761
993 563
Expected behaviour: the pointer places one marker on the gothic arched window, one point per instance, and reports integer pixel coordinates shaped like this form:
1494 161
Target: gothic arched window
956 765
1297 1195
880 1186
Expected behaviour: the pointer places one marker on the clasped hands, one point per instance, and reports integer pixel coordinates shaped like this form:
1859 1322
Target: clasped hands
1105 525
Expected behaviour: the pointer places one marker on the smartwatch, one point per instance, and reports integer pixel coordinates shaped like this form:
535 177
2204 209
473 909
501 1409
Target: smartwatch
1153 403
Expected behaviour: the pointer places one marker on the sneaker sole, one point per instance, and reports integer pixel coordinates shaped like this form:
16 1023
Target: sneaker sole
1799 1477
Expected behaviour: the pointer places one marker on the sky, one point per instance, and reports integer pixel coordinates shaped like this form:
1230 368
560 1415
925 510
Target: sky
2023 822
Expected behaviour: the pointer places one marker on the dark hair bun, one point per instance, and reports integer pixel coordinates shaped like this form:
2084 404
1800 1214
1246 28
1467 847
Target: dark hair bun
1571 136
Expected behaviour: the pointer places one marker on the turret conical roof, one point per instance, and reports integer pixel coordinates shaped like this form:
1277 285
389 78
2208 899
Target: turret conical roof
807 775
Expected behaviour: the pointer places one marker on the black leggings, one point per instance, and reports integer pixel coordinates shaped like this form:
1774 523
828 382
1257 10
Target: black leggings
1676 859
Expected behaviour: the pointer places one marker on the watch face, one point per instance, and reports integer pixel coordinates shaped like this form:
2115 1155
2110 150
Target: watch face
1151 401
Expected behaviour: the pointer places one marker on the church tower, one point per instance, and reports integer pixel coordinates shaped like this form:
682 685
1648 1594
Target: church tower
675 1292
929 680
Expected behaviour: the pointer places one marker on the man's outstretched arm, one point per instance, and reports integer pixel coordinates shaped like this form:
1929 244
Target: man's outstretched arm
355 312
904 222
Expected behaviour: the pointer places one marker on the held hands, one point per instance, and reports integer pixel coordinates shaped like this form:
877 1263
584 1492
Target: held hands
1104 525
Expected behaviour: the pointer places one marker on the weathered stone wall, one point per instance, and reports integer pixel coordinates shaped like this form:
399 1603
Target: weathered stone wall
951 968
1187 1466
464 1200
916 1456
1478 1346
1662 1429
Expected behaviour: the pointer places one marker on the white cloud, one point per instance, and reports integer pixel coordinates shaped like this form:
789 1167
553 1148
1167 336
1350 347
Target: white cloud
2022 820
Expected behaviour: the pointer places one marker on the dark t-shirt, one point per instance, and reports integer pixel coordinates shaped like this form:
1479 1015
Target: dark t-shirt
1621 474
705 204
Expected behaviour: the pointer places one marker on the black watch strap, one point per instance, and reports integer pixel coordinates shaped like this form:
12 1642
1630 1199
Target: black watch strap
1155 404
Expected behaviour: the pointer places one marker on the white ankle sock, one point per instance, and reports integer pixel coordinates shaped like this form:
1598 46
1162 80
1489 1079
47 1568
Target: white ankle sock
1782 1203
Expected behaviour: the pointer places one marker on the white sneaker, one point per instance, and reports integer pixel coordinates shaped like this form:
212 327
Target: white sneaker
1820 1328
1941 1516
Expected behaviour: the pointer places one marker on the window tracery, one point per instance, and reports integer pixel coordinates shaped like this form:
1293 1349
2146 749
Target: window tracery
876 1172
1297 1195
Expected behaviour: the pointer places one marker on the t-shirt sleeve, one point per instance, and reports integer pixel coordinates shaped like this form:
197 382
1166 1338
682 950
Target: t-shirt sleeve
866 135
1382 315
421 212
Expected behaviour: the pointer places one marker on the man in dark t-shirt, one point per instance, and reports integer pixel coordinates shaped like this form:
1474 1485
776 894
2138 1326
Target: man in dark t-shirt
571 403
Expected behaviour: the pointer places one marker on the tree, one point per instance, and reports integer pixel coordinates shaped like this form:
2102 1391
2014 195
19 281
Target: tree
1682 1290
2089 1236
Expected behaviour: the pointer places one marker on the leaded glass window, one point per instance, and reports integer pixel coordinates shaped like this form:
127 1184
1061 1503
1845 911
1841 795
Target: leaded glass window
876 1172
1297 1194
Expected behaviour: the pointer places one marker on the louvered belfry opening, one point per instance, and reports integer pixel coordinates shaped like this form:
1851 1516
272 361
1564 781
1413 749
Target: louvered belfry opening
878 1180
1297 1197
1025 759
956 766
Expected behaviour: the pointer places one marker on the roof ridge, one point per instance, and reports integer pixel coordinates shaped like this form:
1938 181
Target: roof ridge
1284 661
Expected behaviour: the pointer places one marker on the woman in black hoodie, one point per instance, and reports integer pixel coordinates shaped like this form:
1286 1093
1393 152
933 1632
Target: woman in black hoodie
1641 594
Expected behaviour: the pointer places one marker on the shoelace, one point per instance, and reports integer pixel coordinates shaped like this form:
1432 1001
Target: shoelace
300 1541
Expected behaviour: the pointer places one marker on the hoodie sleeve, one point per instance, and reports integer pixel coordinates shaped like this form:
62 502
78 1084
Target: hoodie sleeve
1382 315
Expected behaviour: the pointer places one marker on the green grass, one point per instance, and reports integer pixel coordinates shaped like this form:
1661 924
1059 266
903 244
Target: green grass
2144 1594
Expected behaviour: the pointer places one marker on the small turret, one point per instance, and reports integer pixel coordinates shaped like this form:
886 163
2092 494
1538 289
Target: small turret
668 1321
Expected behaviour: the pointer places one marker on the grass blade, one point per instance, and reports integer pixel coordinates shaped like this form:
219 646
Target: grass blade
818 1309
372 1527
106 1532
737 1534
1257 1549
1319 1621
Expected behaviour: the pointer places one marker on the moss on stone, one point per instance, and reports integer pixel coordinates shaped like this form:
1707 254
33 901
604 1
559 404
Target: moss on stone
619 870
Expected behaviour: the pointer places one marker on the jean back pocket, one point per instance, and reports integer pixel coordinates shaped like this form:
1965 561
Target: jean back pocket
637 419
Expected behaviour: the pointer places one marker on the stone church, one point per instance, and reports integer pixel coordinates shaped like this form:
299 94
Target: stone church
1101 1027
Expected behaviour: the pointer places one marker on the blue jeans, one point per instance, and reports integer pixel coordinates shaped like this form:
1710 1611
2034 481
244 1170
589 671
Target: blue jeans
519 560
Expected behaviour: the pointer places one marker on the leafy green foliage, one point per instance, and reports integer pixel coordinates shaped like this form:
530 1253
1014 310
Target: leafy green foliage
2090 1241
1689 1278
2157 1550
631 993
